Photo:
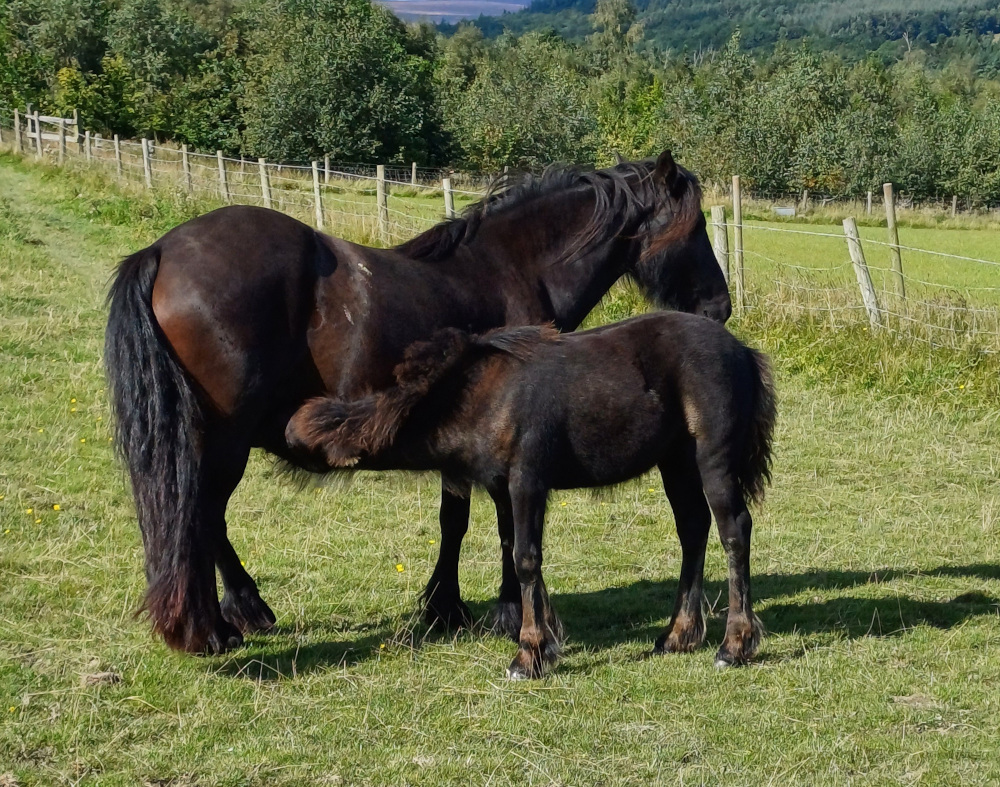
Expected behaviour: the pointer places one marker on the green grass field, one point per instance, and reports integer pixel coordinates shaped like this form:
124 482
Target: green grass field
876 570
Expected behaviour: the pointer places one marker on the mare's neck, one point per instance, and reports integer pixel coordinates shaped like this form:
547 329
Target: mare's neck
534 238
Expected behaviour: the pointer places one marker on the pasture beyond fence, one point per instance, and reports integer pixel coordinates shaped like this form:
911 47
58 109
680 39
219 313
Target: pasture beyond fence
840 276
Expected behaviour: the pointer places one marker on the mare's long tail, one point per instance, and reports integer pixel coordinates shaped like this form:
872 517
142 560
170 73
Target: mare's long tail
158 420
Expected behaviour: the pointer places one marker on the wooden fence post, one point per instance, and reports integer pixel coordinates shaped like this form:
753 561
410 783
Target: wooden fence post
382 196
62 141
738 242
954 205
413 174
861 271
118 156
265 182
86 145
76 130
890 220
868 205
186 169
449 199
17 132
804 204
38 136
721 239
326 170
147 165
223 183
317 196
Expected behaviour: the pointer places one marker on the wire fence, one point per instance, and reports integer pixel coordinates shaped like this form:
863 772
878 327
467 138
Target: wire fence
938 287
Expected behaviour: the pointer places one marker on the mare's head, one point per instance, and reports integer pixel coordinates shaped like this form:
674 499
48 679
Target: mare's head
675 266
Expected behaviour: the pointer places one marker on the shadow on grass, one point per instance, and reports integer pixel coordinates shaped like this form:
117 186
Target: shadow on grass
607 618
336 648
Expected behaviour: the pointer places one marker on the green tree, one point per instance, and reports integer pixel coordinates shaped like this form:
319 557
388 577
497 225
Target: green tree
336 76
526 106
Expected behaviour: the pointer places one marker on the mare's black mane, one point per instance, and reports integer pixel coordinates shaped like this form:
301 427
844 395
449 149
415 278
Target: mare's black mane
622 193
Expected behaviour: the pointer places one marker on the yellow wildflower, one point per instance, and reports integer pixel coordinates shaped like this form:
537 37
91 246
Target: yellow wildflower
56 507
83 439
72 401
72 409
563 503
38 521
400 568
30 511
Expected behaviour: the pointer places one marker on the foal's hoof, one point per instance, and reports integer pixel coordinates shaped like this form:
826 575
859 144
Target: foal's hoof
680 638
532 663
505 620
226 637
246 610
740 644
448 614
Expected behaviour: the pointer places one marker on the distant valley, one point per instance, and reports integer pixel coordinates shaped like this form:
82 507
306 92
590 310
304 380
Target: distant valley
451 10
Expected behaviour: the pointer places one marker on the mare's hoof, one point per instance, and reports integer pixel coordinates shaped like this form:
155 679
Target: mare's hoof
505 620
226 637
246 610
449 614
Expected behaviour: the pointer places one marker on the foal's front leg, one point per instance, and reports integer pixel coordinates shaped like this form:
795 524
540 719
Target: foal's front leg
442 597
682 483
538 641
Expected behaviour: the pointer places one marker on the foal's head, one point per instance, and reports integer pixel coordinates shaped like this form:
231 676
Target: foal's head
676 267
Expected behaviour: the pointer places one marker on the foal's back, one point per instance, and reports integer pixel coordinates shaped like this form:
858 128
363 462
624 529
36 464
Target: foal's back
605 405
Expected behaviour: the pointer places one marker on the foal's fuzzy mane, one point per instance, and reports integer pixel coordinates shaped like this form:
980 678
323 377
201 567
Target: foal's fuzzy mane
622 193
347 431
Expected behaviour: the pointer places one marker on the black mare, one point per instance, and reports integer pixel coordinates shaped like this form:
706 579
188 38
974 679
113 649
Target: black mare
222 328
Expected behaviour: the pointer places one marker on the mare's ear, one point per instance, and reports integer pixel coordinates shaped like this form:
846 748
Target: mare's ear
619 158
666 169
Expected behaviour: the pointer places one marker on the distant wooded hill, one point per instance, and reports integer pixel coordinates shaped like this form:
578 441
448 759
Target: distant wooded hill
853 27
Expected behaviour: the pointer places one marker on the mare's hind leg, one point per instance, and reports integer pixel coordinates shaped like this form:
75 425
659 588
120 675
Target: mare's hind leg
443 603
682 483
241 608
743 628
241 602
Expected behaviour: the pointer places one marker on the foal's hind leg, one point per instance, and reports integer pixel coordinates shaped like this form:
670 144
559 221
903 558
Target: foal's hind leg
743 628
443 603
682 483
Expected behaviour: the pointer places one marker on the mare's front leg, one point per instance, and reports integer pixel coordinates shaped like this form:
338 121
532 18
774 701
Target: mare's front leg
682 483
743 628
506 618
539 638
443 603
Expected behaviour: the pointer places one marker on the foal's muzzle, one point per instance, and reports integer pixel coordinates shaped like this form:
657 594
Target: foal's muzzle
719 308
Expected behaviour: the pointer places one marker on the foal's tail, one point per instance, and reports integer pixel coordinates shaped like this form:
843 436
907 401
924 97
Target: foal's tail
754 471
157 418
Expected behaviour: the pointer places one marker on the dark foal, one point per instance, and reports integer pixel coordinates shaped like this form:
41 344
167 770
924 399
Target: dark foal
224 327
524 411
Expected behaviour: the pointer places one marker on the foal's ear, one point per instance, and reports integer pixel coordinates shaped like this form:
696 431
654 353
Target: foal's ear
619 158
666 169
